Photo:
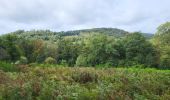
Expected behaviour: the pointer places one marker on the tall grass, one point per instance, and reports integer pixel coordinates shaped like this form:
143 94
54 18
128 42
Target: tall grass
65 83
7 67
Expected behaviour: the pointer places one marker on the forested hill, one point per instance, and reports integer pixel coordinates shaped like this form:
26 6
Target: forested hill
88 47
49 35
109 31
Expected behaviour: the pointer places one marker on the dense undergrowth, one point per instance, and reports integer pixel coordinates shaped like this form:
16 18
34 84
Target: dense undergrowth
32 82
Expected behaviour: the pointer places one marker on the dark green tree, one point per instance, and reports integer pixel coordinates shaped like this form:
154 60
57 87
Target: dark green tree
139 51
67 50
8 43
98 49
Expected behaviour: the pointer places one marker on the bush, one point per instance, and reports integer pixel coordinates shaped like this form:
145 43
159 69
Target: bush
50 60
18 93
23 60
84 76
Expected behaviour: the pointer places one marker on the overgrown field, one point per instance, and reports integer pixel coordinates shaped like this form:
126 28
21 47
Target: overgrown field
74 83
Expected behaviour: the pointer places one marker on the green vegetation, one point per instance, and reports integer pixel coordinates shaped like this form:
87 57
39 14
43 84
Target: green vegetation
85 84
48 35
92 64
50 60
107 47
7 67
161 41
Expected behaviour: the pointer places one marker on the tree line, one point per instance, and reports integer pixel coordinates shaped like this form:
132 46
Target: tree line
92 49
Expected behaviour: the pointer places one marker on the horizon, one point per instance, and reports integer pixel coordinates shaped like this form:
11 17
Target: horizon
61 15
74 30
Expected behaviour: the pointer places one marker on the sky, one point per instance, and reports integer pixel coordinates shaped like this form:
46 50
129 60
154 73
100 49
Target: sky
63 15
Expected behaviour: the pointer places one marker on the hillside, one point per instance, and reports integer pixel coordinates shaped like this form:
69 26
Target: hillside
53 36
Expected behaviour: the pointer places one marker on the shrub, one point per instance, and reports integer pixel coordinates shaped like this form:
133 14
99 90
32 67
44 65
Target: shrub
50 60
85 84
84 76
22 60
18 93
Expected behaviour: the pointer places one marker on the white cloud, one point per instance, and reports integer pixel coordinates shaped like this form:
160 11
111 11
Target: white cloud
131 15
